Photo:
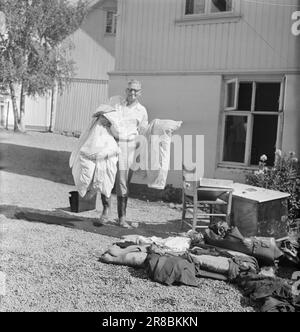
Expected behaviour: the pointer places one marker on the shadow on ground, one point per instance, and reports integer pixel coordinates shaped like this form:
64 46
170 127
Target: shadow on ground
36 162
62 218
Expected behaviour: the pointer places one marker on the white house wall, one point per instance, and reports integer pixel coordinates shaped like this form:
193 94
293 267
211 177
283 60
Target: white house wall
188 99
291 129
93 55
94 50
150 40
94 58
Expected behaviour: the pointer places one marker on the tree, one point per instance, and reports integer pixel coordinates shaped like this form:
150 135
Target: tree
34 49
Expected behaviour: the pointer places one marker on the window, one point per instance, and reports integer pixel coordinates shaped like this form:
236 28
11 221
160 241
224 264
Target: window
252 119
111 22
198 7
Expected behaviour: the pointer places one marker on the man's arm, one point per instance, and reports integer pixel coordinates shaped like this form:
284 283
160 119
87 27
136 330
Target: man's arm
103 109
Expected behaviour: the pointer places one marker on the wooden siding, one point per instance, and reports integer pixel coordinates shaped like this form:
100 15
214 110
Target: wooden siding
150 39
94 52
77 104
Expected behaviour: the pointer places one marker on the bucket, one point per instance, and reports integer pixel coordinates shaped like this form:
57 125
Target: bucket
79 204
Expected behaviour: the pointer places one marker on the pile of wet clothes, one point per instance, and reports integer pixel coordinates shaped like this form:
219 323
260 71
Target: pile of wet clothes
221 253
291 253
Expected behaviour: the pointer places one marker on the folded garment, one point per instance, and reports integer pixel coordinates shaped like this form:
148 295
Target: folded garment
170 270
210 275
219 265
260 287
274 305
205 249
264 250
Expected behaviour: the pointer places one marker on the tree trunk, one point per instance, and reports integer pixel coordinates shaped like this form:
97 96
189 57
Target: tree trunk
22 109
15 107
52 116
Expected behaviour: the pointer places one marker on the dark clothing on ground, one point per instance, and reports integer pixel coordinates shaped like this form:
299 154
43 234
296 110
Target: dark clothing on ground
170 270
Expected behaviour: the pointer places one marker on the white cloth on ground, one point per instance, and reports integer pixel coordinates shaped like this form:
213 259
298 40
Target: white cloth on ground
176 244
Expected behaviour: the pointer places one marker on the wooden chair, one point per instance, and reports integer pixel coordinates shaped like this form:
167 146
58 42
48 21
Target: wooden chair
206 200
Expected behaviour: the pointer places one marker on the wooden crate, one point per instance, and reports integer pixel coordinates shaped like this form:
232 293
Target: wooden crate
259 212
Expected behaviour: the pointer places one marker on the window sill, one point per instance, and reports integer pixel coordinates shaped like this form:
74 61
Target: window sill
238 167
109 35
209 19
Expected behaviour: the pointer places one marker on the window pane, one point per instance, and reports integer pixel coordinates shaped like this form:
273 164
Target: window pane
231 89
264 138
195 7
221 6
235 138
115 25
245 96
267 97
109 22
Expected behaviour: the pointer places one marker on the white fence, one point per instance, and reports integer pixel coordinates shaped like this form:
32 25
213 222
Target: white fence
76 105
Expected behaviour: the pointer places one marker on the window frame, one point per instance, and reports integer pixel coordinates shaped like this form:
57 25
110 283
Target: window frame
250 115
208 12
114 22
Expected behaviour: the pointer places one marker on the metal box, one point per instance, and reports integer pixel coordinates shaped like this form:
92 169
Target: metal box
259 212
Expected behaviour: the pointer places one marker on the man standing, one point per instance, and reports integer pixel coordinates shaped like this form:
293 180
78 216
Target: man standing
133 120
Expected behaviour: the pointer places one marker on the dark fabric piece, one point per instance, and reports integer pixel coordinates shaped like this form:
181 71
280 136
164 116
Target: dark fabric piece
234 270
246 264
275 295
261 287
170 270
274 305
260 248
126 244
210 250
291 250
210 275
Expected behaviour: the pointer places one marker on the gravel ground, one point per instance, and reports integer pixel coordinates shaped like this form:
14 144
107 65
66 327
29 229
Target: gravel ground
53 268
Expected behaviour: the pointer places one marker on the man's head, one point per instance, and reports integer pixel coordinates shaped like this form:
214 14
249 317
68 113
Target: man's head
133 91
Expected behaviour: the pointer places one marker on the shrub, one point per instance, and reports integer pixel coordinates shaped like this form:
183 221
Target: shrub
284 176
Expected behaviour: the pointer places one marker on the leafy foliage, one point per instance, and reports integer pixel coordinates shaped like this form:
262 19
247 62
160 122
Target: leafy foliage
34 52
284 177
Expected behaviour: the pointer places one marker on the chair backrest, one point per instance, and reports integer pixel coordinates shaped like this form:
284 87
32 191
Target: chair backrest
189 179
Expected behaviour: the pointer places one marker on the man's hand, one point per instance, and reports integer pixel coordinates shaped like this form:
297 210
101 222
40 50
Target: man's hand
104 121
97 115
103 109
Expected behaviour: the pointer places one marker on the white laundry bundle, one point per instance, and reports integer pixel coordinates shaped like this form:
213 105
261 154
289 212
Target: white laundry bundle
94 161
122 127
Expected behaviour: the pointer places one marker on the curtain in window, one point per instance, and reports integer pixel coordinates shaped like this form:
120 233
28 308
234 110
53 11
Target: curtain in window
189 8
222 5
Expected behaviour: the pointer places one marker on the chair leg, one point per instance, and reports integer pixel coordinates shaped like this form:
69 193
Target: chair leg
211 219
183 211
195 211
229 208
